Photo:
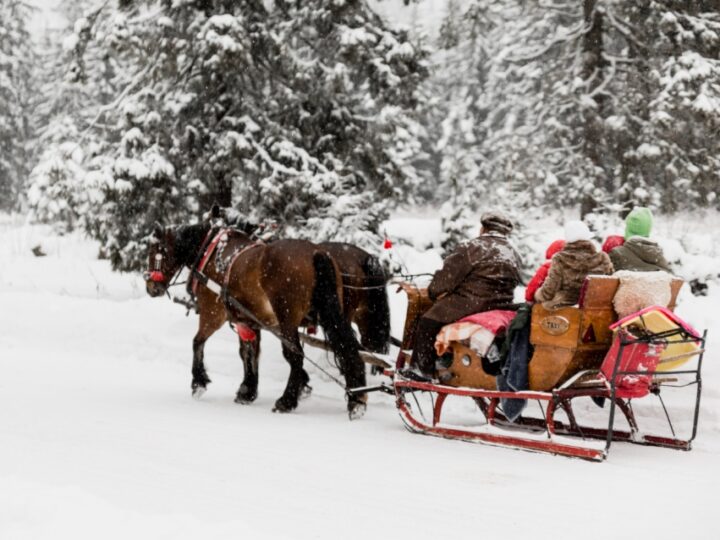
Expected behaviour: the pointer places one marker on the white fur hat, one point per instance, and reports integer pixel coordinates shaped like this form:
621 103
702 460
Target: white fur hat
576 230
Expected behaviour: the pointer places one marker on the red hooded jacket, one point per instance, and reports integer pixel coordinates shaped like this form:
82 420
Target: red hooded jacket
611 242
539 278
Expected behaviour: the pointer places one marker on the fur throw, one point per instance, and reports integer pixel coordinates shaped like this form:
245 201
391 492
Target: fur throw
638 290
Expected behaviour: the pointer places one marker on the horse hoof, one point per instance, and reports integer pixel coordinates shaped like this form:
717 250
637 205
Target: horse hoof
198 392
306 391
283 406
356 410
244 395
244 399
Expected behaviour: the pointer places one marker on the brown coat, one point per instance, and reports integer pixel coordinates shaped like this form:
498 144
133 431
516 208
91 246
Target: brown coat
478 276
568 271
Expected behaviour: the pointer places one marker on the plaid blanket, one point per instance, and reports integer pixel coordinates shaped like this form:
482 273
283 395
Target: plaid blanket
477 331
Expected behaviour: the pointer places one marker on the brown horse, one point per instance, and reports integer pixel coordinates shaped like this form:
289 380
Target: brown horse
365 300
275 286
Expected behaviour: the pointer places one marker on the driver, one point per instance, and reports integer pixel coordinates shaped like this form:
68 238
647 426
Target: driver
480 275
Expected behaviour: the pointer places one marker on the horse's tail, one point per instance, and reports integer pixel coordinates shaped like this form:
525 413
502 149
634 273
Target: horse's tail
339 333
377 338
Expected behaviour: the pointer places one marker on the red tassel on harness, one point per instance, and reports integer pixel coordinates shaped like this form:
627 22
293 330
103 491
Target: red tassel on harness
157 276
387 244
245 332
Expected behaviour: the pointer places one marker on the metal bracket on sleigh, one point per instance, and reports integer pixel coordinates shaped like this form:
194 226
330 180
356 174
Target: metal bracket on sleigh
624 376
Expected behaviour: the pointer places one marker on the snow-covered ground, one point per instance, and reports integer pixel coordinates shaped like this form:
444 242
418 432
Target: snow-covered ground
99 437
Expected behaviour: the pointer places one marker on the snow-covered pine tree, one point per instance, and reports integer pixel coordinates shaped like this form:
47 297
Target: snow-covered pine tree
67 102
601 104
16 72
670 111
347 134
297 112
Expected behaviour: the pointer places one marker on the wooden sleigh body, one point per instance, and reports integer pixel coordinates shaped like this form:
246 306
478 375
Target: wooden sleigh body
565 341
572 359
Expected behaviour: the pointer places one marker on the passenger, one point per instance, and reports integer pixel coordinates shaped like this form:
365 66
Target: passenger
639 253
479 275
541 274
571 266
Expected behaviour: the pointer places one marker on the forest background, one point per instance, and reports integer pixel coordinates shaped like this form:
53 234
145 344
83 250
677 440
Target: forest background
326 115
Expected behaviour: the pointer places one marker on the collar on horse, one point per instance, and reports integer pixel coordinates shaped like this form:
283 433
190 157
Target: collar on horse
211 245
206 251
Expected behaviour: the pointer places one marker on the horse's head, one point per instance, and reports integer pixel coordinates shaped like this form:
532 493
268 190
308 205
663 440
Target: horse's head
163 262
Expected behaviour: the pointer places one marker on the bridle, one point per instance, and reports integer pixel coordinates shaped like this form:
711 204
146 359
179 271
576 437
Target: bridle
155 273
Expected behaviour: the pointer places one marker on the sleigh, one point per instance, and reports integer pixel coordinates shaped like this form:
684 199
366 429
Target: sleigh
579 352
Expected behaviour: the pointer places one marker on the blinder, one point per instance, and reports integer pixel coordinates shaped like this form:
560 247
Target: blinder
156 274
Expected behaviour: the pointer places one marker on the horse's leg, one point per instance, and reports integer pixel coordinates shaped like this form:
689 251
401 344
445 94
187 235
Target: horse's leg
367 340
355 378
292 351
211 319
343 343
250 354
338 331
365 330
305 389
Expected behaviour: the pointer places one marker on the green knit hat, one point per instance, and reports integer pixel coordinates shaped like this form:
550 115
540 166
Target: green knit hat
639 222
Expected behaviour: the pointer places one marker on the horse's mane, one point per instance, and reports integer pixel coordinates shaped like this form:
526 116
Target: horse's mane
188 241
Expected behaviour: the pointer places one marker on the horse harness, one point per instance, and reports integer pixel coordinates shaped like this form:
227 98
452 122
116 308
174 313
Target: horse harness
215 243
224 263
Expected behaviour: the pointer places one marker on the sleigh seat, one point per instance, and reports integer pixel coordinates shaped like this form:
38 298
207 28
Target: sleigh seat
566 341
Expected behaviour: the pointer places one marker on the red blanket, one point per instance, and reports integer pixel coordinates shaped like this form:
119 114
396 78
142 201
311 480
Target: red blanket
496 321
479 330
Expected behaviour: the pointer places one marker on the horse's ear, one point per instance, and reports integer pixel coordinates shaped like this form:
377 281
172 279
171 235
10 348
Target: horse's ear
215 211
158 230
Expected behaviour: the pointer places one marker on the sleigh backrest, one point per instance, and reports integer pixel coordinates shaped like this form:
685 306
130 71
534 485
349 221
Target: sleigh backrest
418 303
598 292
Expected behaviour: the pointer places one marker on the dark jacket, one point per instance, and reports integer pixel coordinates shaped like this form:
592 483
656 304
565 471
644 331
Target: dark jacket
568 271
639 255
478 276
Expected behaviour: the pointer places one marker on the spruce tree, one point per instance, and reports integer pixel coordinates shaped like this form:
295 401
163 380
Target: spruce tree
603 105
16 126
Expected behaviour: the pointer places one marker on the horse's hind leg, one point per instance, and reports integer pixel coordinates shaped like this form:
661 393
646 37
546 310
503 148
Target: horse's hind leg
339 332
250 354
305 389
211 319
292 351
